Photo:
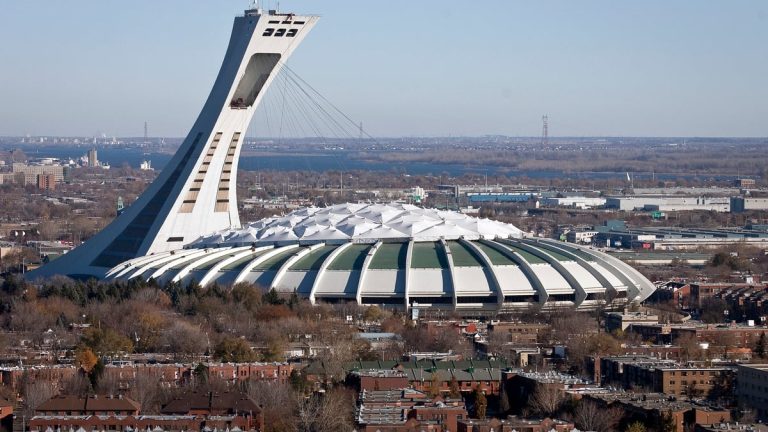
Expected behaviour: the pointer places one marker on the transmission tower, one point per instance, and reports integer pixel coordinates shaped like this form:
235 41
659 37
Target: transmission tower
544 130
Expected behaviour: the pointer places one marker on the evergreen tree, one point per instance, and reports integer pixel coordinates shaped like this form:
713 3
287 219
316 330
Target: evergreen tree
636 427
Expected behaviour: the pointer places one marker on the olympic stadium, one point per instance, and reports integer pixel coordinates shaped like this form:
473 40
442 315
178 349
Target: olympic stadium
398 255
394 255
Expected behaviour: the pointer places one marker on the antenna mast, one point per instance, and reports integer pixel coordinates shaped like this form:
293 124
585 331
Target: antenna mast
545 130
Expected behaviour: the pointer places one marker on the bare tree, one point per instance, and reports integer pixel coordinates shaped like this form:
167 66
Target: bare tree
76 385
145 390
35 393
328 412
546 400
108 384
590 416
278 403
184 339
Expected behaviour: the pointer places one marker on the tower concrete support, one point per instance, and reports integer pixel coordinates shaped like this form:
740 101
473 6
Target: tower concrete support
196 192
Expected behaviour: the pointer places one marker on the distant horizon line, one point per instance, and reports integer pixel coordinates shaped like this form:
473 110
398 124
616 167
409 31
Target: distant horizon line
406 136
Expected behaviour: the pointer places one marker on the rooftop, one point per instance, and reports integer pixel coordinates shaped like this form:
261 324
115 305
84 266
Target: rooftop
364 223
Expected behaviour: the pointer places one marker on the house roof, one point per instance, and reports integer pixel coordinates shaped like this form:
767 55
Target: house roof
89 403
212 402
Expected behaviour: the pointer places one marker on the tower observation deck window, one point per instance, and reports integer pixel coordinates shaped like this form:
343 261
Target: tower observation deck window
256 74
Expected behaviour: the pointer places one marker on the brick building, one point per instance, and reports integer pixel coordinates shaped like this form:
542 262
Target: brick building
405 410
380 379
519 387
651 408
241 410
423 375
515 424
668 377
189 412
728 336
519 333
93 405
621 320
168 375
6 415
752 389
251 371
46 182
12 377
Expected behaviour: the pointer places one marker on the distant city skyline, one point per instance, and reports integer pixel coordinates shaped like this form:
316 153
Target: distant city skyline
427 68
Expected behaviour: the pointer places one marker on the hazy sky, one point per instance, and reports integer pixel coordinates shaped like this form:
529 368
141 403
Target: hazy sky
403 67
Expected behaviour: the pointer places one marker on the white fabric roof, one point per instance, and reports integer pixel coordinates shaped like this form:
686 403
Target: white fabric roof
362 222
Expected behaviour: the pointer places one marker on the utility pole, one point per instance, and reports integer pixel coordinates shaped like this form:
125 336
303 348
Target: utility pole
545 130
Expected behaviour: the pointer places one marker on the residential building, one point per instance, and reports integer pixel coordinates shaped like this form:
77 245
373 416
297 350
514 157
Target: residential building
31 172
93 158
6 415
402 410
731 427
237 407
189 412
519 332
729 339
514 423
667 376
46 182
622 320
92 405
651 408
752 388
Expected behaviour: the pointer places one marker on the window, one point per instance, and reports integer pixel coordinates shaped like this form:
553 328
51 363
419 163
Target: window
280 32
476 299
292 32
522 298
268 32
383 300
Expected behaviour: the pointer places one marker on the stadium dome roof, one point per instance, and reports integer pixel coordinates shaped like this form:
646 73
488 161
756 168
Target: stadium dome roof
362 223
401 256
